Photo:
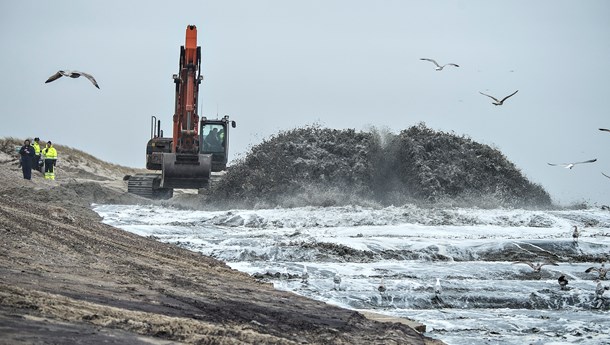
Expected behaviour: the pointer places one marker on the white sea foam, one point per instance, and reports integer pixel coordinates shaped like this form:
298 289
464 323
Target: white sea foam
486 297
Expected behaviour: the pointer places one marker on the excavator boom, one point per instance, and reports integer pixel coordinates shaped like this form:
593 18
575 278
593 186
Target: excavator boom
187 91
185 167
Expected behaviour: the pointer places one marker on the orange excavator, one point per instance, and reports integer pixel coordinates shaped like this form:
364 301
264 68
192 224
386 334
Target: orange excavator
196 149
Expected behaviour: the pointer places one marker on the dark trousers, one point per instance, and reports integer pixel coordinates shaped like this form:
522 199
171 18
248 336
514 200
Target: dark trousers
49 170
35 164
26 167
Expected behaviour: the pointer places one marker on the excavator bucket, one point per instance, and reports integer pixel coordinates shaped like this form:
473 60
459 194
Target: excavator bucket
186 170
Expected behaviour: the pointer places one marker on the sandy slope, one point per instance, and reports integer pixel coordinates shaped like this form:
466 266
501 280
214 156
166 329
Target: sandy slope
67 278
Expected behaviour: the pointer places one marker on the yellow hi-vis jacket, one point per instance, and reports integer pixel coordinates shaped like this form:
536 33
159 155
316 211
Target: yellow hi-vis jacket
50 153
36 148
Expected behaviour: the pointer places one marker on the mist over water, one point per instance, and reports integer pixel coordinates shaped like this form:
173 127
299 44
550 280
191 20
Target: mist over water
486 297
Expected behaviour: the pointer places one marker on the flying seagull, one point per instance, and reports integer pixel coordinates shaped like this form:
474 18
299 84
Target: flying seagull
606 175
439 67
601 270
604 129
536 266
72 74
498 102
571 165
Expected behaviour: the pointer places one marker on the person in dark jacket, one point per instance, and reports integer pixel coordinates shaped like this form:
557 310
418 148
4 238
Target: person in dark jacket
27 153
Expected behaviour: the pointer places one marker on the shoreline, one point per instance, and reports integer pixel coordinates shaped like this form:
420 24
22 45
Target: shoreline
69 278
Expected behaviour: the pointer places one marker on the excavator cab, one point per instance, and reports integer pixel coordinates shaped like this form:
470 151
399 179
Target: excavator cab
214 139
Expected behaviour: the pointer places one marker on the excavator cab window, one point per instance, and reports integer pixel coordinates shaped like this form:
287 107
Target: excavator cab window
214 138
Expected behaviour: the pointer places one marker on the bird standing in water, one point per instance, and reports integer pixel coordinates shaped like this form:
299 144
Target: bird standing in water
437 293
381 288
305 276
337 281
600 289
563 281
575 234
437 288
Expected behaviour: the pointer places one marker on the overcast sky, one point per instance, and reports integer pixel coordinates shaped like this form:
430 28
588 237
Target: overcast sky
276 65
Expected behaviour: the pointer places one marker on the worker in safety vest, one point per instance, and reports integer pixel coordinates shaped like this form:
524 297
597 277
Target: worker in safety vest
50 159
36 161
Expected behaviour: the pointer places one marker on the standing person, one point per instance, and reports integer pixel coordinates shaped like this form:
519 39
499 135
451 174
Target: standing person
36 160
50 159
27 153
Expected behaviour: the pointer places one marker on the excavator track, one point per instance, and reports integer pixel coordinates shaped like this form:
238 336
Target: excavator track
147 186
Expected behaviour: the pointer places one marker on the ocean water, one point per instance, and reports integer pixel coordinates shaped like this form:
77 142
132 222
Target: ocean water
485 298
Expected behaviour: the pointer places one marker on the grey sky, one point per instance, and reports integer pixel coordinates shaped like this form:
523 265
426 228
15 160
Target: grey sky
275 65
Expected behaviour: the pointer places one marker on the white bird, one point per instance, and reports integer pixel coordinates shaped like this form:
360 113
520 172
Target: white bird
305 276
536 266
437 288
337 281
72 74
284 275
602 271
600 289
575 234
571 165
498 102
439 67
604 129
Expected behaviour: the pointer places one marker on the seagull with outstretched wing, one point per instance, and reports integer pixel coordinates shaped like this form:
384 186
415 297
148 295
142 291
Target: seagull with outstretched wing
497 101
606 175
602 271
72 74
604 129
439 67
571 165
536 266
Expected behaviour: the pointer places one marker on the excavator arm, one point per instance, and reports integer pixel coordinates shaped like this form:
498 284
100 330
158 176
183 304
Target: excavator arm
185 166
187 82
